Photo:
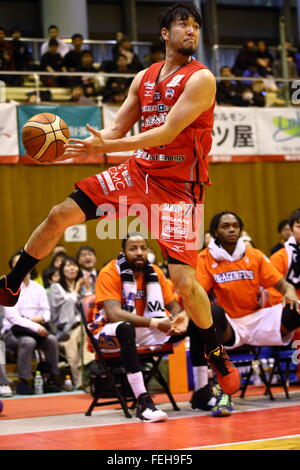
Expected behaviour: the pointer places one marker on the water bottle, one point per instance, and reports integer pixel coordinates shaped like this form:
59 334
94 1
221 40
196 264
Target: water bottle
68 386
38 383
2 92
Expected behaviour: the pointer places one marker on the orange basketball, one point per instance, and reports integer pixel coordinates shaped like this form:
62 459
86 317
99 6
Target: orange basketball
44 136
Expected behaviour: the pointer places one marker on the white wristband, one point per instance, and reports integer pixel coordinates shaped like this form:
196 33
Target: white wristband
154 322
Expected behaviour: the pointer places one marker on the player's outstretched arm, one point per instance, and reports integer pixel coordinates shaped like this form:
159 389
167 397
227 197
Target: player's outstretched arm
197 97
128 114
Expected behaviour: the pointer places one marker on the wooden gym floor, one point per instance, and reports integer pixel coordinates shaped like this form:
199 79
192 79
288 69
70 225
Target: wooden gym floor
41 423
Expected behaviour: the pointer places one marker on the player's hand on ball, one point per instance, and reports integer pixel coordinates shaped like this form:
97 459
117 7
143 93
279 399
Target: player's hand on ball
91 146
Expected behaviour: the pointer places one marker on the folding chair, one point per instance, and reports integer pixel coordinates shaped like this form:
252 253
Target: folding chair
249 356
148 355
282 356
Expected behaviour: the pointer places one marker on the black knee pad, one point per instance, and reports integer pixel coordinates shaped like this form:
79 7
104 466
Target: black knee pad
218 314
126 332
290 318
126 336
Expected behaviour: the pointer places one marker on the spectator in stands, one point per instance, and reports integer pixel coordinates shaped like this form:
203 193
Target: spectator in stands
58 249
55 263
53 33
73 57
124 294
291 62
22 56
125 48
254 95
5 390
284 232
25 328
36 98
250 71
287 259
297 59
52 61
78 96
86 62
87 260
156 54
116 87
115 49
87 66
228 91
235 274
116 95
49 276
245 58
264 59
121 65
6 58
64 298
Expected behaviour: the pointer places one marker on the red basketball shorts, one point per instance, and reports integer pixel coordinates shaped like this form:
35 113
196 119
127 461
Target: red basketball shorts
167 210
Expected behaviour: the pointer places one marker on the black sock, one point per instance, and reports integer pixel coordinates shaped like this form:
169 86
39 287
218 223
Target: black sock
210 338
23 266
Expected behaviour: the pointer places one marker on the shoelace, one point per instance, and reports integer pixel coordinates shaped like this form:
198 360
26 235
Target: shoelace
220 363
224 400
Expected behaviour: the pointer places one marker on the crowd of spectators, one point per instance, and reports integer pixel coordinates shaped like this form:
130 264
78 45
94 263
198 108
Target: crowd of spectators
255 61
56 55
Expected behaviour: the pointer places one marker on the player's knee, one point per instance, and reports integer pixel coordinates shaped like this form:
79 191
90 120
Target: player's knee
219 317
57 217
126 333
185 285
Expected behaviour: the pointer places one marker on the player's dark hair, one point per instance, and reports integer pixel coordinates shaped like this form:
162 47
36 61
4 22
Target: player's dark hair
294 217
179 11
215 221
129 235
282 224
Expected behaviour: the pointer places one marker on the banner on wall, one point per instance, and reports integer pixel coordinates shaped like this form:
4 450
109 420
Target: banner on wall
76 117
279 131
239 134
9 146
235 131
256 134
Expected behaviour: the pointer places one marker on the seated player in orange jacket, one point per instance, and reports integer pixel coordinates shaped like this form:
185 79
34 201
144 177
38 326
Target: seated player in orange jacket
287 259
236 275
136 305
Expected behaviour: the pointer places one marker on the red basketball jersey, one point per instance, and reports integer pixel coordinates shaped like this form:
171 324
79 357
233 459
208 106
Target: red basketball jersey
186 158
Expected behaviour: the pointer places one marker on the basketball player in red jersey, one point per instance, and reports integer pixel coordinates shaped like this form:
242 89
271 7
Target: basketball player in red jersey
169 170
